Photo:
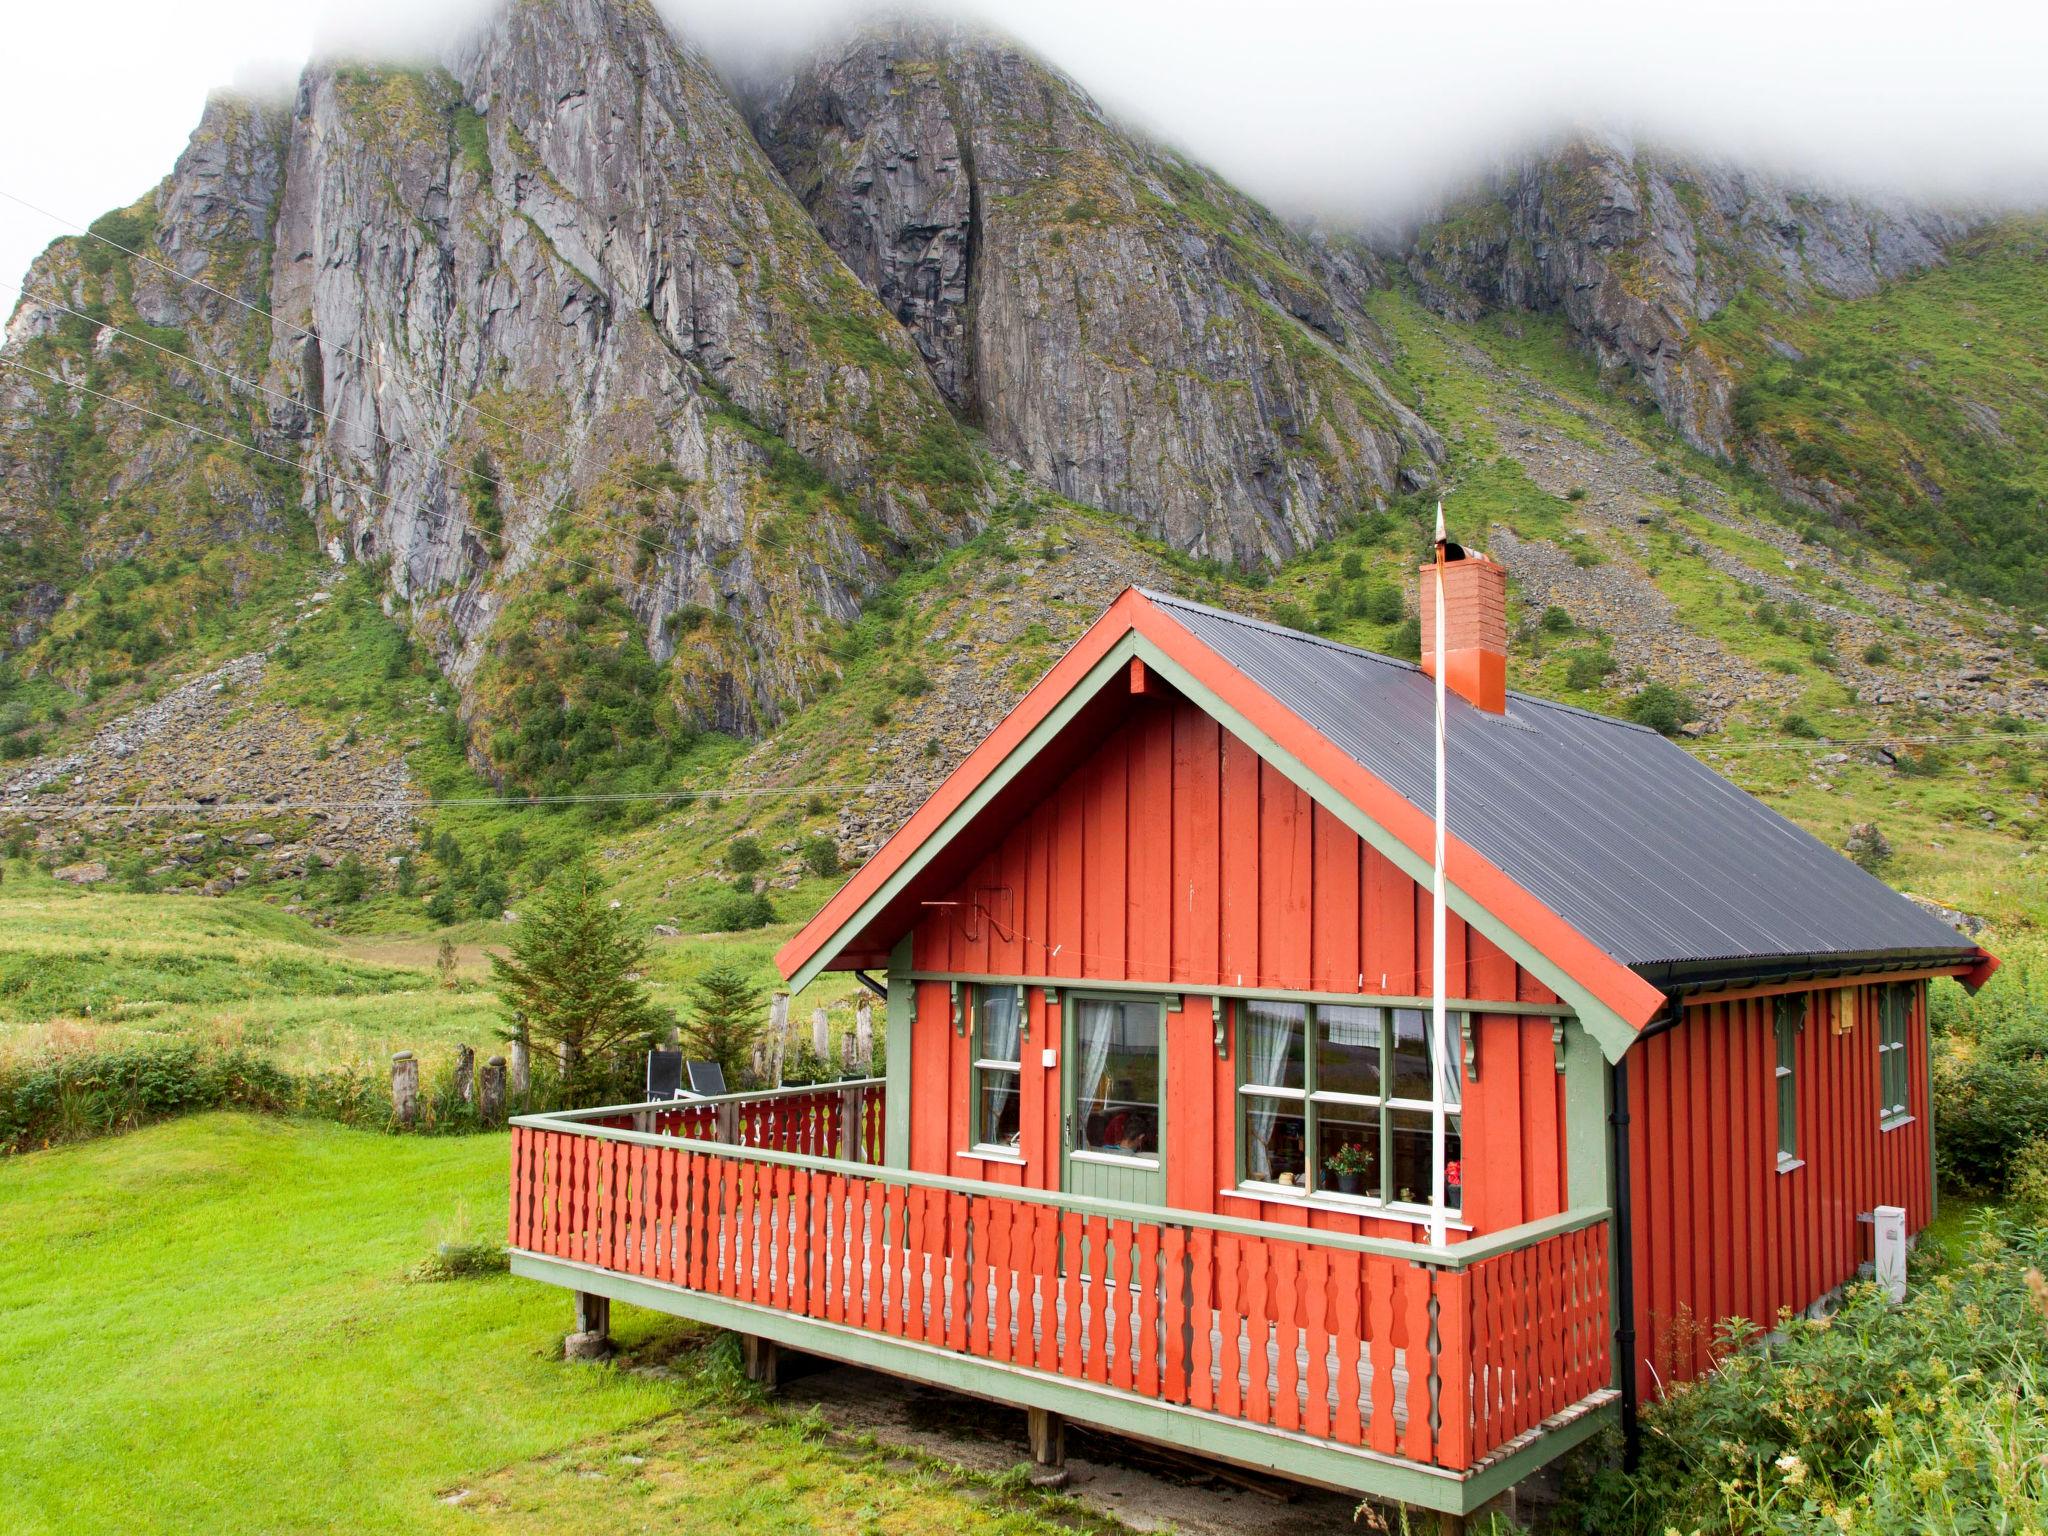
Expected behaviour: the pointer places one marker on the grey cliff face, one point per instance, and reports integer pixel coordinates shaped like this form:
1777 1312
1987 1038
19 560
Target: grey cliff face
566 263
1638 248
1125 327
121 482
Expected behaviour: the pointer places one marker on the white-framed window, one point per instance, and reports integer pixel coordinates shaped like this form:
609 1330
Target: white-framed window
1338 1099
1894 1074
1791 1018
997 1102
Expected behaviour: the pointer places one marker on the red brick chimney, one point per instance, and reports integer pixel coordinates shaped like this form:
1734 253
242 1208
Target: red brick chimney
1475 627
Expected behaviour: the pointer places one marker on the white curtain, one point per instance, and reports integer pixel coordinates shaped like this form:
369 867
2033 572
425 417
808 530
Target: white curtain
1272 1035
1095 1024
999 1024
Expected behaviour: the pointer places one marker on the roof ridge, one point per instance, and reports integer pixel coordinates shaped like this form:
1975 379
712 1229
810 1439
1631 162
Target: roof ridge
1268 626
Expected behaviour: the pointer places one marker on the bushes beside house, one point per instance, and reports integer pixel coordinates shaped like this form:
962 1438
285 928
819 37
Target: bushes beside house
1929 1417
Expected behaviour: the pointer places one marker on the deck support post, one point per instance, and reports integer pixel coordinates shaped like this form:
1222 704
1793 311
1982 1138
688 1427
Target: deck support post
1048 1435
592 1339
849 1125
763 1360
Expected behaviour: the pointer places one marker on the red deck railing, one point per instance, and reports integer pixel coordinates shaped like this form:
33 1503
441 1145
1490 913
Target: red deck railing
1437 1357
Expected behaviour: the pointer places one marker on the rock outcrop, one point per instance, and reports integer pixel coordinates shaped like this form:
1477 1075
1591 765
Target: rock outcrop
1125 327
537 328
1639 248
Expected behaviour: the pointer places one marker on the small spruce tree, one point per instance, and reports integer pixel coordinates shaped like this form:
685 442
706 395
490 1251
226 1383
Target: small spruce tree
724 1020
573 977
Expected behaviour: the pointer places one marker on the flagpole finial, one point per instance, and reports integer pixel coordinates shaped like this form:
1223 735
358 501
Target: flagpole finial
1440 521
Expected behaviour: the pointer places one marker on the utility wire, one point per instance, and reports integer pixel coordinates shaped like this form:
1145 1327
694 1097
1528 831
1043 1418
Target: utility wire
417 802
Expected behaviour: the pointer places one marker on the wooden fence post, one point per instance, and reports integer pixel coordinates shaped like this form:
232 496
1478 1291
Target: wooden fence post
405 1088
821 1035
465 1073
519 1077
849 1123
864 1031
491 1092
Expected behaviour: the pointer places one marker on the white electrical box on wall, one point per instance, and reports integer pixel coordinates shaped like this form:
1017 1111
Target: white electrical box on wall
1049 1057
1888 1231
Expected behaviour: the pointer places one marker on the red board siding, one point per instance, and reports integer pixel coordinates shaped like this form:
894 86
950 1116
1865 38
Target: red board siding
1719 1232
1174 855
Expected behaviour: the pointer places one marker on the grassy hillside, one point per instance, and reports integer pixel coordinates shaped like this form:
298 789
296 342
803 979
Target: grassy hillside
290 1390
1920 415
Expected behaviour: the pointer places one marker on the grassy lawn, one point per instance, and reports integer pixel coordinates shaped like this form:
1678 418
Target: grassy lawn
207 1326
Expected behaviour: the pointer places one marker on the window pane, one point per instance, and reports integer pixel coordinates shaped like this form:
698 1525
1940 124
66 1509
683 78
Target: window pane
1116 1087
996 1108
1272 1043
1275 1141
1454 1162
1411 1054
1409 1175
998 1024
1788 1137
1348 1043
1352 1136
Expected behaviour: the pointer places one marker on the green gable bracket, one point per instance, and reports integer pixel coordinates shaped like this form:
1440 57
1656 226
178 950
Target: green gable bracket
1217 1007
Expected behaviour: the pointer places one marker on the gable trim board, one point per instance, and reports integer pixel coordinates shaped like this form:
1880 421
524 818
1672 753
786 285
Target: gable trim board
1611 998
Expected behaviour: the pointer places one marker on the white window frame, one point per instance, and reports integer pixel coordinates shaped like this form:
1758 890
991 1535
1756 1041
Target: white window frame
981 1065
1382 1107
1789 1012
1894 1056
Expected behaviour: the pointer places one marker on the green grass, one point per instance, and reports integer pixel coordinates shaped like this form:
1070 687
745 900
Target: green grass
1925 405
208 1326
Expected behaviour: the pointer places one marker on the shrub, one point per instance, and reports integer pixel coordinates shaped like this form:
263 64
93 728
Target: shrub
1385 605
1588 669
1406 641
735 912
1576 493
1556 621
1352 565
744 856
1927 1417
821 855
1661 707
1875 654
1796 724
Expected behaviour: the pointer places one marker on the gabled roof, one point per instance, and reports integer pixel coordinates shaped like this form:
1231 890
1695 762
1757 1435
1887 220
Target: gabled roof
1606 850
1626 836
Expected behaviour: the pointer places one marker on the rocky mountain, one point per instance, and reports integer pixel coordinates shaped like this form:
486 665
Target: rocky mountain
625 392
1127 328
1639 248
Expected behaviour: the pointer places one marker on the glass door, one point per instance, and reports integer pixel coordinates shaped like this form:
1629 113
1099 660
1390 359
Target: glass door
1116 1099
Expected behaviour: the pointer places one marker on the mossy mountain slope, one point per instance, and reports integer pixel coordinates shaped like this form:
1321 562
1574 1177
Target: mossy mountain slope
1128 329
1876 361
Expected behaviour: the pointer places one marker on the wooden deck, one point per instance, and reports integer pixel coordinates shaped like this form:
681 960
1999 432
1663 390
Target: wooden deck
1465 1363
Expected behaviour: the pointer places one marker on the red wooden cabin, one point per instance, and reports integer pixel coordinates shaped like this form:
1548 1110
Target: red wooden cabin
1154 1147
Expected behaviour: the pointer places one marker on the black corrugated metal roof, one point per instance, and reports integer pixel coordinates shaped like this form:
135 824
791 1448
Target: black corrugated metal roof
1639 846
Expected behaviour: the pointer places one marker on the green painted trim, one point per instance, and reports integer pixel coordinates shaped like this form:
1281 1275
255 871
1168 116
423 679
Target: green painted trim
1096 679
1262 994
1456 1256
1588 1167
1070 1081
1614 1033
896 1047
1293 1455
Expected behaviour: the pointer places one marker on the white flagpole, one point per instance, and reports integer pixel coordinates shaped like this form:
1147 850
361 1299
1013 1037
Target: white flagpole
1438 1215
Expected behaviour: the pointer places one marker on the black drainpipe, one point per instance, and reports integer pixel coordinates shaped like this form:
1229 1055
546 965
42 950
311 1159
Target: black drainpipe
1625 1271
1624 1242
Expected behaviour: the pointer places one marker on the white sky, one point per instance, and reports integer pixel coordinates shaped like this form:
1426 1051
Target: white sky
1349 110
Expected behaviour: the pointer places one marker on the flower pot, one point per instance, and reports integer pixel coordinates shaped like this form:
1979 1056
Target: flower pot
1349 1183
